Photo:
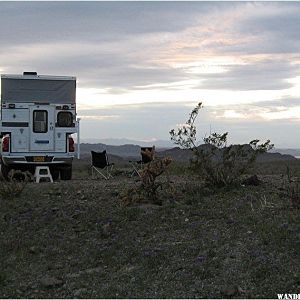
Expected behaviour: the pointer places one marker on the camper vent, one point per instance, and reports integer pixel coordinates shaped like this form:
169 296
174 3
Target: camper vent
30 73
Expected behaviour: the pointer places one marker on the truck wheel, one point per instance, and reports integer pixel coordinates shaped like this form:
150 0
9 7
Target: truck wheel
5 170
54 174
66 173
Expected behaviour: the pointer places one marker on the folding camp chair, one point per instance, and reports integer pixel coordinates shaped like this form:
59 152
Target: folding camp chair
100 161
147 154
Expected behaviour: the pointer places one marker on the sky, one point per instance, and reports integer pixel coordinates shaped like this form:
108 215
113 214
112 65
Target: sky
142 66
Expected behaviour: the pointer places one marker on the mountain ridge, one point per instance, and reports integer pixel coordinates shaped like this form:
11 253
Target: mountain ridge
131 151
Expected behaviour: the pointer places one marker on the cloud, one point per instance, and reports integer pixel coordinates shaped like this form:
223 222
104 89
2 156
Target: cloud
276 26
97 117
92 21
120 46
286 102
261 75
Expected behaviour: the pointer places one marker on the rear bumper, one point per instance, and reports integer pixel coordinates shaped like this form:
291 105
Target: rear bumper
49 159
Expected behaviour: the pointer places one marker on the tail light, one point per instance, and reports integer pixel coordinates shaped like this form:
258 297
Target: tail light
71 144
5 144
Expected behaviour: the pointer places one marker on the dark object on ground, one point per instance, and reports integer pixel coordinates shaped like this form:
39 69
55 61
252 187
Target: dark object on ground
252 180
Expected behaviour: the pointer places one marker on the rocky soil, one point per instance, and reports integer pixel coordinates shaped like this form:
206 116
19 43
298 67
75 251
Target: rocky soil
74 239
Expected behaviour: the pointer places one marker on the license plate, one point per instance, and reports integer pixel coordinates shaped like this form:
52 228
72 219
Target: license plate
39 159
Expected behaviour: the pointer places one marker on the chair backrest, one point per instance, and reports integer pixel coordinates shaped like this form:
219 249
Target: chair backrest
147 154
99 159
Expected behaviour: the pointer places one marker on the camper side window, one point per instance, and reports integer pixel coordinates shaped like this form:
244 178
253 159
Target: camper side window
40 121
64 119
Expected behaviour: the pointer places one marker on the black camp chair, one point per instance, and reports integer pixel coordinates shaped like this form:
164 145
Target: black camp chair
100 161
138 165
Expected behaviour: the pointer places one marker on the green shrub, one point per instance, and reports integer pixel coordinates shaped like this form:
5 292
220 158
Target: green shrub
214 161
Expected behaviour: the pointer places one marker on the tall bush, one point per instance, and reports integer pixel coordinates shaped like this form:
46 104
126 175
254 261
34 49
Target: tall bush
217 163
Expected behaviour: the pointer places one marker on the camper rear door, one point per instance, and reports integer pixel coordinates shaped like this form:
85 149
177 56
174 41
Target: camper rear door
42 125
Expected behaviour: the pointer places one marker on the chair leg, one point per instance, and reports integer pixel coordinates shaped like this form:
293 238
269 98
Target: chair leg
135 170
99 172
111 168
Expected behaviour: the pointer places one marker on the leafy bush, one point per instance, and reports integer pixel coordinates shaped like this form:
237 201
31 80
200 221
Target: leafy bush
217 163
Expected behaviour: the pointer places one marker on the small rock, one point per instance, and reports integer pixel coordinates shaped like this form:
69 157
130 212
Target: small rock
230 290
297 279
230 221
73 275
33 250
240 290
51 282
58 266
93 270
114 193
54 193
284 225
79 292
106 229
200 259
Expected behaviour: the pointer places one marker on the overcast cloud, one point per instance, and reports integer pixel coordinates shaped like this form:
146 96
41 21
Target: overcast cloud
136 49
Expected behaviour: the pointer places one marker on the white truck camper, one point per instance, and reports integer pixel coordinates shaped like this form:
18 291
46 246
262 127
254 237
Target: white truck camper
38 118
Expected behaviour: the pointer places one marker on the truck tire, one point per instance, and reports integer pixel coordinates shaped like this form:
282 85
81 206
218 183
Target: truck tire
66 173
54 174
5 170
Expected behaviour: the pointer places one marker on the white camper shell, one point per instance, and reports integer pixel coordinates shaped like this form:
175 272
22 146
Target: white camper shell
38 118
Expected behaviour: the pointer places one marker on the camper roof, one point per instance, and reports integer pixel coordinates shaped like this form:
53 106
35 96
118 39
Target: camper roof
37 88
27 75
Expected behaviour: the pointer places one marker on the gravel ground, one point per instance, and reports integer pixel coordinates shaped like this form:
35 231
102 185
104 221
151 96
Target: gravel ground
73 239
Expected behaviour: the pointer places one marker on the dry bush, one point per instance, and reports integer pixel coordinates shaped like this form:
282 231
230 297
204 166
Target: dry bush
293 193
292 187
148 186
15 184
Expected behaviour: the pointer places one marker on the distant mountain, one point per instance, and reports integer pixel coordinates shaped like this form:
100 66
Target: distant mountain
124 141
183 155
122 151
294 152
132 151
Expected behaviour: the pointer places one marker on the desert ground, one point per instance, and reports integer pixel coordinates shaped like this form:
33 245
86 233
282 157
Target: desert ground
76 239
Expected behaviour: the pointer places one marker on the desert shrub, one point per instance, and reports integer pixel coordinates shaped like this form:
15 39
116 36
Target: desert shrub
291 185
293 193
15 184
214 161
147 188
